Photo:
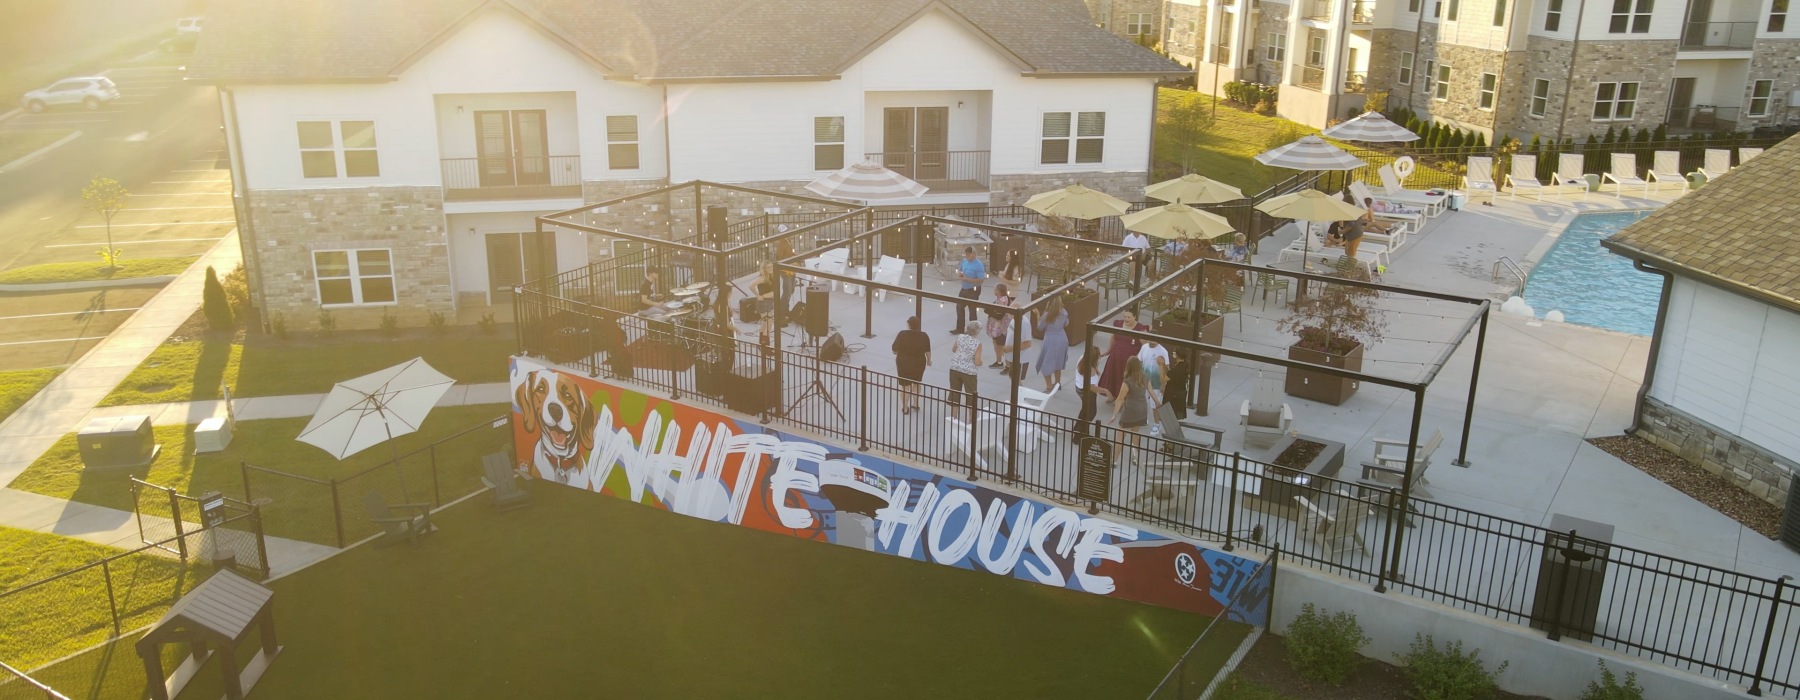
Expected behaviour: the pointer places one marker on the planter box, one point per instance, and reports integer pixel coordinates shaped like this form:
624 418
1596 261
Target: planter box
1081 312
1175 325
1322 388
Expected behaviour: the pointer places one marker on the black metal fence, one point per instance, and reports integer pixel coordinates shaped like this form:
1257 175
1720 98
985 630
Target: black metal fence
14 684
332 512
1194 672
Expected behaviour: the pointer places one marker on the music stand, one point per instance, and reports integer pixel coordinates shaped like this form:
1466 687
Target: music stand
816 388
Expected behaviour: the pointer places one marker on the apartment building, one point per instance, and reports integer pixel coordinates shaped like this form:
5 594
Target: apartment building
1138 20
1514 67
390 156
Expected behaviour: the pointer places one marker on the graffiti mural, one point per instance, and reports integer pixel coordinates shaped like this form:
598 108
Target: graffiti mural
596 436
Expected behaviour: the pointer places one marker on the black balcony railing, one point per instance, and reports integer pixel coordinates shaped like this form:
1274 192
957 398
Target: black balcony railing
512 178
1717 36
1311 77
1703 118
942 171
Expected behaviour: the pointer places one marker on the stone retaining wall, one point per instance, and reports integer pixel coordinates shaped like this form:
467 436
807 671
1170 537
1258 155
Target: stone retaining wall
1751 468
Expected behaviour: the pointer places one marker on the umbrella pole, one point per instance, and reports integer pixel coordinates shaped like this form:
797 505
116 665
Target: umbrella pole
399 469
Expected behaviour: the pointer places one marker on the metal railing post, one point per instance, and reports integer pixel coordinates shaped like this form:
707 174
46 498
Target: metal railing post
175 514
1762 658
1231 500
244 476
112 601
337 513
262 539
1274 568
863 410
974 438
437 498
1387 541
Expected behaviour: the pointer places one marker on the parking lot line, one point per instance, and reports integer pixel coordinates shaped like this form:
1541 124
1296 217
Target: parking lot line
159 240
170 223
57 340
201 170
66 313
214 206
184 194
32 125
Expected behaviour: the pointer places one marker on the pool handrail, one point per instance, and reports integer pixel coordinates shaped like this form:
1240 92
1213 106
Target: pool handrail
1514 268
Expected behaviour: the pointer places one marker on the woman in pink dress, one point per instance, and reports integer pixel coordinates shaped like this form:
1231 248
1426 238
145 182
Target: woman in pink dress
1123 348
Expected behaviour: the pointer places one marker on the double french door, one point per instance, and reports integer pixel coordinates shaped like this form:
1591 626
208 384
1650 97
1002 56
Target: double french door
516 258
512 148
916 141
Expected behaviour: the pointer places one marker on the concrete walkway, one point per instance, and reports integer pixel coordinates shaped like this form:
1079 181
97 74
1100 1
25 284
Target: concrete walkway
118 528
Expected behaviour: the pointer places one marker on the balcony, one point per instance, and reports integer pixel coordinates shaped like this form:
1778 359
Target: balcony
1718 36
1356 81
1310 77
1362 12
1222 54
1317 9
945 172
1702 119
519 177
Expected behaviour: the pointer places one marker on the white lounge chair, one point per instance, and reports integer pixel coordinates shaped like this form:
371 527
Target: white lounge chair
1665 169
1264 415
1571 174
1412 217
1392 191
1478 179
1307 244
991 436
1524 177
1718 162
1337 526
1624 174
1745 154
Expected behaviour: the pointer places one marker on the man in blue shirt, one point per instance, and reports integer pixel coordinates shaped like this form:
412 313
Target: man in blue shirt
973 274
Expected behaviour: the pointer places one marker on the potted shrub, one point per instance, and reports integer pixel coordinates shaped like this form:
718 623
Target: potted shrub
1172 306
1333 327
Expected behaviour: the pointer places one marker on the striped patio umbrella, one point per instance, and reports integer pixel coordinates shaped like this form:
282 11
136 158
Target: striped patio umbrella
1177 221
1371 127
1077 202
866 182
1193 189
1311 206
1309 153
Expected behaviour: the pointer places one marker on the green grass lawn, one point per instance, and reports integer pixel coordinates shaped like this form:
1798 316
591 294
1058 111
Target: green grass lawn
62 617
18 386
90 271
264 366
18 144
587 596
299 510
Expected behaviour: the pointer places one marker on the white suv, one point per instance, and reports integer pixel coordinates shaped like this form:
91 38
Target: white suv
189 25
93 93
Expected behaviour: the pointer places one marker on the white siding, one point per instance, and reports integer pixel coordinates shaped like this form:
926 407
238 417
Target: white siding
1731 361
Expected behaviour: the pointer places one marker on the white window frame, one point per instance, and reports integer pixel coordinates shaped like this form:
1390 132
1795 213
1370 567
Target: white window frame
1277 48
1540 98
1636 16
1553 12
1454 11
1430 76
1616 102
635 143
842 155
1767 87
1100 138
1315 46
1490 88
1778 10
1137 23
1499 13
1440 90
1406 67
339 149
354 262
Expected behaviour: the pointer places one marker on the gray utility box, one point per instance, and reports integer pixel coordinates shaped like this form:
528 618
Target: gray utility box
117 442
1790 519
1571 577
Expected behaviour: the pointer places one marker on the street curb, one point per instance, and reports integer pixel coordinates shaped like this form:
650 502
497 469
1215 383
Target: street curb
26 159
16 111
90 284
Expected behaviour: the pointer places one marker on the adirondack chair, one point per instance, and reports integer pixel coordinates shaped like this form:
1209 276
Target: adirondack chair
1203 446
1336 527
1387 469
502 481
395 528
1264 416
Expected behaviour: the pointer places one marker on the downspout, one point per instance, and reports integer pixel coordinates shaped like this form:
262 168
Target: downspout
1342 23
246 226
1150 164
1569 81
1418 41
1662 314
668 163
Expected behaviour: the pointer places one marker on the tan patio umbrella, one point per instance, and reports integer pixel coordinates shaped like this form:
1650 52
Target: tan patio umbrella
1077 202
1177 221
1310 206
1193 189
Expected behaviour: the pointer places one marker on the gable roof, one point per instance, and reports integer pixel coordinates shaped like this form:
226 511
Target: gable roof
261 41
1740 232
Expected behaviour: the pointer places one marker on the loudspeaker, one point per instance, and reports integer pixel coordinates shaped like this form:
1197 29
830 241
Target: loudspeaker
833 349
817 319
751 395
747 310
716 225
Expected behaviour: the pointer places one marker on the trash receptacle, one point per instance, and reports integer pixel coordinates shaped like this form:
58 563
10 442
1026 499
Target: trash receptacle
1571 576
1696 179
1593 182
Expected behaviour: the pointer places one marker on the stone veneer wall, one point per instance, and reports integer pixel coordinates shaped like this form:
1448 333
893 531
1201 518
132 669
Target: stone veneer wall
1385 47
291 224
1466 66
1548 59
1777 60
648 215
1751 468
1012 190
1178 42
1649 63
1272 19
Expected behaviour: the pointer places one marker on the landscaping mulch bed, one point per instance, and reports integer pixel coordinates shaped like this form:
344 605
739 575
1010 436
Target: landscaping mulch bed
1266 665
1689 478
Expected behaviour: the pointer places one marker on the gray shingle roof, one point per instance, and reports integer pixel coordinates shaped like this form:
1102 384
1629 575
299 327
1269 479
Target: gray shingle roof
260 41
1738 229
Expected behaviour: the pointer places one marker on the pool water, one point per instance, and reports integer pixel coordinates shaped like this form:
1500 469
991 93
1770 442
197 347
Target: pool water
1589 284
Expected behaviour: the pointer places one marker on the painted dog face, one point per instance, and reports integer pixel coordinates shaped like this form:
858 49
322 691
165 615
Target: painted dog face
558 412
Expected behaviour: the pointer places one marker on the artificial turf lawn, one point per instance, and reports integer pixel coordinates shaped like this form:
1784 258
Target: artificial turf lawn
18 144
299 509
18 386
583 595
48 273
59 618
265 366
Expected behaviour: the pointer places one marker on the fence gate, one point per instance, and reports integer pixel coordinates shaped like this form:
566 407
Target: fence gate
211 528
158 513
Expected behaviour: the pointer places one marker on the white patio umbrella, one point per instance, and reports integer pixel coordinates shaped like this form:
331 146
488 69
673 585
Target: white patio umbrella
1371 127
1309 153
1177 221
1077 202
1310 206
1193 189
373 408
867 182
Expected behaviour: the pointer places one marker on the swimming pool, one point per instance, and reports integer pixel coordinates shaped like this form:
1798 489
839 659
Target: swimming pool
1589 284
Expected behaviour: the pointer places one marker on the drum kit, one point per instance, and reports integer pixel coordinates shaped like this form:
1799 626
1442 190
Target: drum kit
688 299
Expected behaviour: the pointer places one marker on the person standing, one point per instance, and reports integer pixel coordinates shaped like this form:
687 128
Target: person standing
912 354
1140 244
1123 348
1179 384
1053 324
1087 386
998 323
765 288
973 274
1155 359
965 356
1131 408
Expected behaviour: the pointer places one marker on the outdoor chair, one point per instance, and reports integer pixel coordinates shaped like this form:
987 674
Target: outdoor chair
1264 416
1665 169
1524 177
1117 279
1031 415
1335 528
1624 173
832 261
1718 162
1308 244
1478 179
1267 282
395 528
1571 173
1232 303
1202 447
1745 154
502 482
991 436
888 271
1394 213
1392 191
1387 470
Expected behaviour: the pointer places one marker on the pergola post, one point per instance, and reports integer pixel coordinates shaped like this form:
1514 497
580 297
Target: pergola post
1462 450
1406 482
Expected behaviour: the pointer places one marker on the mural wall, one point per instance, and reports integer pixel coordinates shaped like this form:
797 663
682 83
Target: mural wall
592 435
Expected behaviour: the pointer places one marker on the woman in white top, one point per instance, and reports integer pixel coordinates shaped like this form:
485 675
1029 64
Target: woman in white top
1156 366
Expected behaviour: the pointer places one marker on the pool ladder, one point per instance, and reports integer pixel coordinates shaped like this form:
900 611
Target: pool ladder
1510 266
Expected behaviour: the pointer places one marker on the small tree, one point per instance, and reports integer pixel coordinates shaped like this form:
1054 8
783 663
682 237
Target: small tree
105 196
1185 125
1336 320
215 303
